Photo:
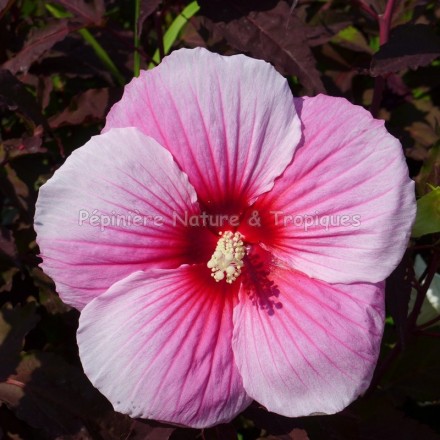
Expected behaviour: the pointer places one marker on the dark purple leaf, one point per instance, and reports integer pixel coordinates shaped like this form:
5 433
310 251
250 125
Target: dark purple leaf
226 11
186 434
409 46
16 97
379 6
48 298
7 278
397 85
276 35
320 34
8 250
147 8
87 12
39 41
324 25
56 397
299 434
397 294
44 89
220 432
295 434
17 192
192 34
89 107
9 266
343 79
4 5
13 148
15 323
143 430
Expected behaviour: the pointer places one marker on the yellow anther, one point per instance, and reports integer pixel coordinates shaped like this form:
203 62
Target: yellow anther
226 261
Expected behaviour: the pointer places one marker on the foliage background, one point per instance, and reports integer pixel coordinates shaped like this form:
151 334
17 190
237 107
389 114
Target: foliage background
64 63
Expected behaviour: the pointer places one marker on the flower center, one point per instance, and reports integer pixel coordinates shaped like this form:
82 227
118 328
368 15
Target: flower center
227 259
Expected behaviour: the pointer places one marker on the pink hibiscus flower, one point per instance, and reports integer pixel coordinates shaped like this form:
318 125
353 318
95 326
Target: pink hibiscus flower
225 242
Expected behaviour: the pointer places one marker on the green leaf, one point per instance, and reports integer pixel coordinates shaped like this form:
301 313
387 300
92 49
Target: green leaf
428 214
374 43
430 164
352 38
174 30
91 40
136 55
409 46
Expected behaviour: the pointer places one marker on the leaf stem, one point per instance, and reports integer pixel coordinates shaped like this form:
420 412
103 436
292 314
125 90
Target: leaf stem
102 55
384 21
91 40
136 55
429 323
421 293
366 8
411 324
159 32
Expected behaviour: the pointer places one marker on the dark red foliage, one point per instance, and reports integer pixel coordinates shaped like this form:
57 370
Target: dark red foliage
147 8
37 43
87 12
275 34
55 92
410 46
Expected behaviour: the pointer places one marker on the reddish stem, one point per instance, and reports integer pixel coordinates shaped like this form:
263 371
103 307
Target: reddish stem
15 382
421 294
411 325
159 32
384 21
429 323
424 246
366 8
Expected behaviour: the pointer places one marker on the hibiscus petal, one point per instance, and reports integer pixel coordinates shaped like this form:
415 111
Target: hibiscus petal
119 175
342 211
229 122
158 345
311 350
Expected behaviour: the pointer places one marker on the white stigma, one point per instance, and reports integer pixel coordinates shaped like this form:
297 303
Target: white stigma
227 260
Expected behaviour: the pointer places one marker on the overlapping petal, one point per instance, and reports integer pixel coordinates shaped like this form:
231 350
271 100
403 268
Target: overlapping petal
158 345
342 211
109 212
229 122
315 351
